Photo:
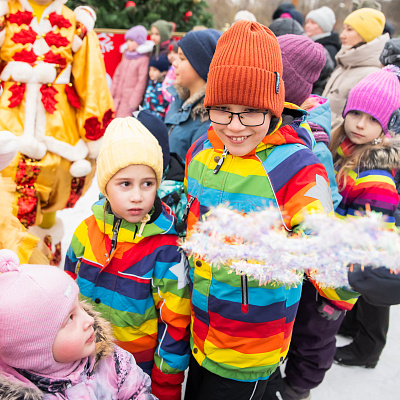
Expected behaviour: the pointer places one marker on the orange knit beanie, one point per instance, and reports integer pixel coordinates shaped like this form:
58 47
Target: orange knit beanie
247 69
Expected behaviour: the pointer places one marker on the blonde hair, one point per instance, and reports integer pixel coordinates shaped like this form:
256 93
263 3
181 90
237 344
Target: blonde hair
356 159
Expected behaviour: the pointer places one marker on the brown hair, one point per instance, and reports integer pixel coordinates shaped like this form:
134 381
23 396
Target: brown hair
356 159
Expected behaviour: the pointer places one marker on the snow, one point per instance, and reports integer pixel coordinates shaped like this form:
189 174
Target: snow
345 383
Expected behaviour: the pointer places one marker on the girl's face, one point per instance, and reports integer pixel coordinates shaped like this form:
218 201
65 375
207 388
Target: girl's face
311 28
154 73
237 138
350 37
186 76
361 128
76 338
155 35
172 56
132 45
132 191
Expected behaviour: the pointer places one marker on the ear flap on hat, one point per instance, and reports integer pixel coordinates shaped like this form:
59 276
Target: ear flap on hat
394 122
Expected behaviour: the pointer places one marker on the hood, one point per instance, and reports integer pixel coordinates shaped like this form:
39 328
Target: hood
196 102
321 114
332 39
384 157
366 55
291 128
14 386
162 221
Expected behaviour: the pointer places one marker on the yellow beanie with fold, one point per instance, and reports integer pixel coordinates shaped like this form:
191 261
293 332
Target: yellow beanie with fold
368 22
127 142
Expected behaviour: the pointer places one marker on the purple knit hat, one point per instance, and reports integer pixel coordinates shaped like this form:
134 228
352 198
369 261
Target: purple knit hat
378 95
303 60
138 34
35 300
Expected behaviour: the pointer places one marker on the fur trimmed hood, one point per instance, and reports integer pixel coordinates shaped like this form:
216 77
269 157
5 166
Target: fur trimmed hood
198 110
12 389
385 156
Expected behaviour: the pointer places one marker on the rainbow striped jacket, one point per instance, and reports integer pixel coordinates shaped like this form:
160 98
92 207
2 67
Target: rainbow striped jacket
240 330
141 287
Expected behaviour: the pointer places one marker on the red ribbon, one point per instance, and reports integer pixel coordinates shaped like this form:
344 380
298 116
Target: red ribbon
24 36
58 20
21 17
18 91
56 39
48 98
72 96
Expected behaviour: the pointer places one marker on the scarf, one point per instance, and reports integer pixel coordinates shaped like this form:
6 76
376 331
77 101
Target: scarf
133 55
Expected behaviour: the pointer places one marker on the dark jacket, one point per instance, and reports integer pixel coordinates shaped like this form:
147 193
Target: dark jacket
186 119
319 85
331 43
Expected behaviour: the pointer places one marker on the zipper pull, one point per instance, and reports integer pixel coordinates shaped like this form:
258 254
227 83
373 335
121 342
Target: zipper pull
221 161
187 208
115 235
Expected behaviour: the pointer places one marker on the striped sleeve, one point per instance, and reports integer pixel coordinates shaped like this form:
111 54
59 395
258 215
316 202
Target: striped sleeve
172 300
76 250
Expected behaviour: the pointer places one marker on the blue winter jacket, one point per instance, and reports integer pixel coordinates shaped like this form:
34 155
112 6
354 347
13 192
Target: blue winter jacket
186 120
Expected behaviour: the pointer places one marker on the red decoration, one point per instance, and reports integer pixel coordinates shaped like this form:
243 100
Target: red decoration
77 185
48 97
56 39
58 20
21 18
24 36
92 128
25 179
72 96
18 91
25 56
107 118
53 58
187 16
130 4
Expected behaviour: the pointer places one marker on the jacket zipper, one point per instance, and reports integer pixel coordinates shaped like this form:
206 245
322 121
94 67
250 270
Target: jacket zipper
221 161
245 294
117 224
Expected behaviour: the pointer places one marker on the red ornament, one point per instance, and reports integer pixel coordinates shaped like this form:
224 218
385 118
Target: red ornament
18 91
92 128
72 96
130 4
187 16
49 97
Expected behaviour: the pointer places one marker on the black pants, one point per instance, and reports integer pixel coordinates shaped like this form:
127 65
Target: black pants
204 385
370 324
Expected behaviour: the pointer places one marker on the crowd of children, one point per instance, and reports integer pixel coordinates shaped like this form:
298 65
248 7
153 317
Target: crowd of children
228 118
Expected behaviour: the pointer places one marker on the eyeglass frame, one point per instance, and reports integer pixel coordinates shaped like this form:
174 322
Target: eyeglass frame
208 109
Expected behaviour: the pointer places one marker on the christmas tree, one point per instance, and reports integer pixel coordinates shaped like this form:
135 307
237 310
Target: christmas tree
122 14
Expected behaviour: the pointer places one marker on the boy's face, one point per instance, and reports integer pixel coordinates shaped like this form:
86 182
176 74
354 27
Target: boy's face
154 73
155 35
76 338
132 191
186 76
237 138
132 45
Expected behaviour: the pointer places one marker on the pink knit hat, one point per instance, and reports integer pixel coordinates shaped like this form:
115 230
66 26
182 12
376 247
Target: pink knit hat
303 60
378 95
35 300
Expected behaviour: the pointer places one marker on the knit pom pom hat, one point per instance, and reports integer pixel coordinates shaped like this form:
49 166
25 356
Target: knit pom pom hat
138 34
324 17
368 23
378 95
299 73
247 69
127 142
35 301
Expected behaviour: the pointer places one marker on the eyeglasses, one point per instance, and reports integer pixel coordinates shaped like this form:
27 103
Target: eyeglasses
246 118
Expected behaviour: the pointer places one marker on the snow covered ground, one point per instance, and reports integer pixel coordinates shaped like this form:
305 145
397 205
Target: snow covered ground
344 383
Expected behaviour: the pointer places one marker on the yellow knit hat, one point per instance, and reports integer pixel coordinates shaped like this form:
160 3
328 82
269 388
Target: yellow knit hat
368 23
127 142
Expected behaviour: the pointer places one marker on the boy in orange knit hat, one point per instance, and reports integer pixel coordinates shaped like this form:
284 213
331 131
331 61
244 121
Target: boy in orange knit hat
257 153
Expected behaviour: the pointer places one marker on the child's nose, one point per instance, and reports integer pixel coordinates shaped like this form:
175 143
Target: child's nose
235 124
135 195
